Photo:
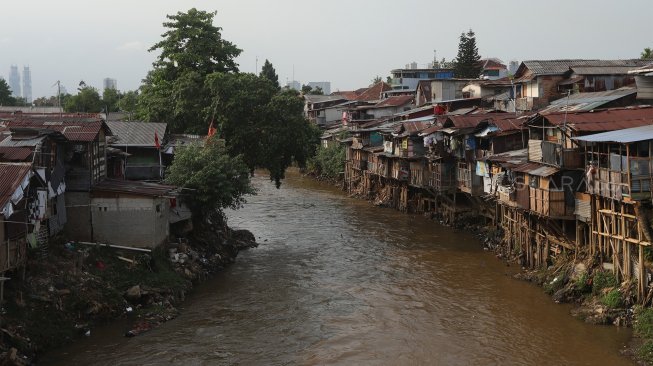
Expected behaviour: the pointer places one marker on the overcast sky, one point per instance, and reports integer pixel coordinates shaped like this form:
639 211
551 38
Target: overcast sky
347 42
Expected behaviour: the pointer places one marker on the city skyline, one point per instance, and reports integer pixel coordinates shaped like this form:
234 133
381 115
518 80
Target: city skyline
68 43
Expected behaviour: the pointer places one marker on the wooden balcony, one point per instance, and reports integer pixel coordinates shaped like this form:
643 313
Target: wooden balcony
468 181
417 178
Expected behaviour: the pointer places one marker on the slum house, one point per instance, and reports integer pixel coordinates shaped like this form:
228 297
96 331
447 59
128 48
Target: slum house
14 215
492 69
616 208
362 114
322 110
537 82
366 141
84 162
497 94
133 213
409 77
141 144
553 175
45 150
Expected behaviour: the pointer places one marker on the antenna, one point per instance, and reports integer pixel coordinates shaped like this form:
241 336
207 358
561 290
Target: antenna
256 70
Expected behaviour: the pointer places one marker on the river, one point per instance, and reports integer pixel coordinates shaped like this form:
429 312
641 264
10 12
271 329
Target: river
337 281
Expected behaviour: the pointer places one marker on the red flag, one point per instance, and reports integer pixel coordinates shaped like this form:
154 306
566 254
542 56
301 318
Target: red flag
212 130
156 141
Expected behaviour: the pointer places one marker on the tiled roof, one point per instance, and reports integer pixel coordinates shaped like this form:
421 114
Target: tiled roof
136 133
11 176
602 120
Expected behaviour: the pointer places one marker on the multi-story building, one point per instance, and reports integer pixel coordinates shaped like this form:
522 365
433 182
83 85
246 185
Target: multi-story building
110 83
27 85
324 85
14 81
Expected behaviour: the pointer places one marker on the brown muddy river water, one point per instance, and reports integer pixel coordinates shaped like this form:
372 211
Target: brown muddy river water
337 281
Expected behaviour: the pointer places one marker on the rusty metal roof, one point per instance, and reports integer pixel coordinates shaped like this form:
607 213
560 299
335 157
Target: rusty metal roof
588 101
11 176
396 101
509 159
75 129
601 120
559 67
9 153
133 187
373 92
536 169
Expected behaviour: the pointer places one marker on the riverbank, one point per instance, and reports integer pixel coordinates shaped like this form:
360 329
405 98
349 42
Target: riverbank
75 288
572 277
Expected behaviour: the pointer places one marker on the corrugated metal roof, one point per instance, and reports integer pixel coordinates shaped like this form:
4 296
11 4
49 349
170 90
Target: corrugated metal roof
536 169
133 187
601 120
11 176
396 101
588 101
136 133
8 153
78 130
373 92
626 135
559 67
601 70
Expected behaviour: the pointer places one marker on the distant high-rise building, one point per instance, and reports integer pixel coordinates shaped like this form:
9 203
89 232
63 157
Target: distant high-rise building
110 84
324 85
14 81
27 85
294 85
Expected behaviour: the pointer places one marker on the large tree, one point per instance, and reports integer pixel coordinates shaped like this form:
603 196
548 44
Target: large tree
191 48
647 54
270 73
128 103
110 98
466 64
5 94
263 125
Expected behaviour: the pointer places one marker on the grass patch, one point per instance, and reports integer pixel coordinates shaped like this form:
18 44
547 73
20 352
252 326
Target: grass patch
582 283
551 287
601 280
612 299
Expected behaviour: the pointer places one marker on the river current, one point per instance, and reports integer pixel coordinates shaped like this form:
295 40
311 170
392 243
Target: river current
337 281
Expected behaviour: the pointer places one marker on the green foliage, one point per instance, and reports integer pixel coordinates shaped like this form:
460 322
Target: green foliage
269 73
645 351
557 283
128 103
5 94
173 91
601 280
87 100
308 90
466 64
647 53
329 162
110 98
582 283
612 299
217 179
643 324
377 79
267 128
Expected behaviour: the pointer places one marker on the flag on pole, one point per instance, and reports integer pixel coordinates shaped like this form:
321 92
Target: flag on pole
156 140
212 130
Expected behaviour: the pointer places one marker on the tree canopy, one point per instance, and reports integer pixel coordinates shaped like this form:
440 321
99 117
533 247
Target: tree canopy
466 64
87 100
217 179
5 94
173 91
195 81
647 53
270 73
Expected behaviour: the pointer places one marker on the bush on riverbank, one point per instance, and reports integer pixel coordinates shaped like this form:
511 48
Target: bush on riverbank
328 162
643 327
